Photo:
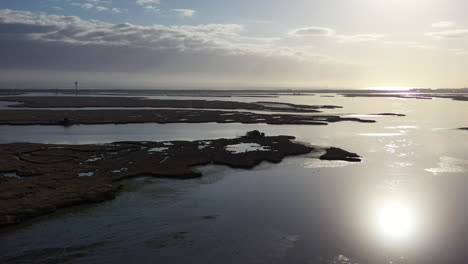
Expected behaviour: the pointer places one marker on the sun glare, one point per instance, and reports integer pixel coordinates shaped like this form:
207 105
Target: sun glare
391 88
395 220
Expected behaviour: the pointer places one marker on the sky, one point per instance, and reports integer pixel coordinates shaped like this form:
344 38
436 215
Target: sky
233 44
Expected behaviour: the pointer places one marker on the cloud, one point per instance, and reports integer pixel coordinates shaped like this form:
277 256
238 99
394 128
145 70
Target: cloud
184 12
148 4
330 33
443 24
312 31
208 53
101 8
84 5
99 2
98 6
119 10
413 45
359 37
449 34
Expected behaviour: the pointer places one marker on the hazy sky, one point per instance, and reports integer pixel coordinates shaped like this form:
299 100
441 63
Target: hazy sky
220 43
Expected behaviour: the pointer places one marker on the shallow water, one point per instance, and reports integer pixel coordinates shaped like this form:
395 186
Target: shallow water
403 204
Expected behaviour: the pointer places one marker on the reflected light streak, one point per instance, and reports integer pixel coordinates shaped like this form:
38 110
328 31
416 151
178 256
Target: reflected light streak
391 88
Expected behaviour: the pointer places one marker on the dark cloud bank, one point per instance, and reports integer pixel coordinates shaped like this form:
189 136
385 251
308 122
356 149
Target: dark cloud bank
50 49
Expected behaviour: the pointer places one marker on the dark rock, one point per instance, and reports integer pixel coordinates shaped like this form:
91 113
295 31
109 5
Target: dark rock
340 154
254 134
66 122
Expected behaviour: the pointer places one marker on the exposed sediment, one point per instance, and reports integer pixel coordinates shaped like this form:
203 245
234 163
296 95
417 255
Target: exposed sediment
72 117
455 97
388 114
389 95
101 101
37 179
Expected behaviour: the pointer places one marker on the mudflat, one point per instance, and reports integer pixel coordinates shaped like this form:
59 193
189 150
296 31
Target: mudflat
37 179
74 117
101 101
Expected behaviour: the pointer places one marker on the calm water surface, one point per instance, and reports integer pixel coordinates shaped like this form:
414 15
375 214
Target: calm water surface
405 203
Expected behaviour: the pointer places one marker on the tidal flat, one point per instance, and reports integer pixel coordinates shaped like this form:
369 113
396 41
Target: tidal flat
78 117
401 203
36 179
103 101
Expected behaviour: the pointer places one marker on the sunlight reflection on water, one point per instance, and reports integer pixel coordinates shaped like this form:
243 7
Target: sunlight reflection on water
450 165
302 207
396 220
381 134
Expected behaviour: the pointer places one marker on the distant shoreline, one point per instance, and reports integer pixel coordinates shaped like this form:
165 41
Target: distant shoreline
230 91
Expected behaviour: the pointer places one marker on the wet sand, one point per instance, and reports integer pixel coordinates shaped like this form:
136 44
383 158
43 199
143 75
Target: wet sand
37 179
